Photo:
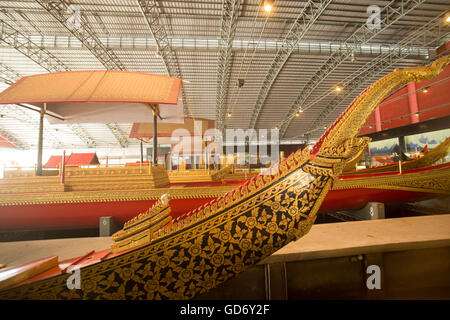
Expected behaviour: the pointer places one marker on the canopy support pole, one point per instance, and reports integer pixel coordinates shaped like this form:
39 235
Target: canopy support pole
40 140
142 154
63 168
155 139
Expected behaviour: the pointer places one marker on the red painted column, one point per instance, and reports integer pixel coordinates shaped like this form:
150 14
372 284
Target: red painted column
412 100
378 119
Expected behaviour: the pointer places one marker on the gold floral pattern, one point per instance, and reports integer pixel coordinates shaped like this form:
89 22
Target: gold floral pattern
275 206
432 181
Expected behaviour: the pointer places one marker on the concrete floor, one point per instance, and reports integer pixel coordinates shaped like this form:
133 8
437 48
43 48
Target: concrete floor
357 237
323 241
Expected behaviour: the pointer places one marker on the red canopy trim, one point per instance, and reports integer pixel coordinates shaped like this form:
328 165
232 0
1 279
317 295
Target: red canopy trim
80 159
5 142
145 130
53 162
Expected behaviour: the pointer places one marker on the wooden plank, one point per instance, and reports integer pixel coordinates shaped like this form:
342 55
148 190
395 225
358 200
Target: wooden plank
14 275
363 237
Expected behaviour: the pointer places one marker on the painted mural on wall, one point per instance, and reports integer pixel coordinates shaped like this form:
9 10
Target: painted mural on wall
383 147
384 151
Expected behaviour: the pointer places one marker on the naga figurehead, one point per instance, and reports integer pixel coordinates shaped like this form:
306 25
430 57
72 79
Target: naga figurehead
341 142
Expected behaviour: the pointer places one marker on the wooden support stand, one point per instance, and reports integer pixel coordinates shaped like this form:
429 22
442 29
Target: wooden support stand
107 226
371 211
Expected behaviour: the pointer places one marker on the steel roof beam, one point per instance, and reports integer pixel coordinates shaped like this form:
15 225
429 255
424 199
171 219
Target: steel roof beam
118 134
391 13
9 76
81 133
126 11
151 12
19 114
66 13
311 11
230 13
48 61
431 33
22 43
100 22
16 112
316 48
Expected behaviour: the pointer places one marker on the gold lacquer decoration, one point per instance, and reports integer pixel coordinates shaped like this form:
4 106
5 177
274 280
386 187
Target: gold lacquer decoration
233 232
141 228
351 121
82 179
222 173
429 157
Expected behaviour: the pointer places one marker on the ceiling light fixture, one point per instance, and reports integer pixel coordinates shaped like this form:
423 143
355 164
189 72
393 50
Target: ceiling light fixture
338 88
425 90
268 5
229 114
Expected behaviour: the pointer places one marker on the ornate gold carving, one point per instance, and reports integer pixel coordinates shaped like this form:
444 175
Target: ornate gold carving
27 173
318 170
222 173
172 251
30 184
221 240
362 146
426 160
112 195
429 157
140 229
331 160
82 179
199 175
